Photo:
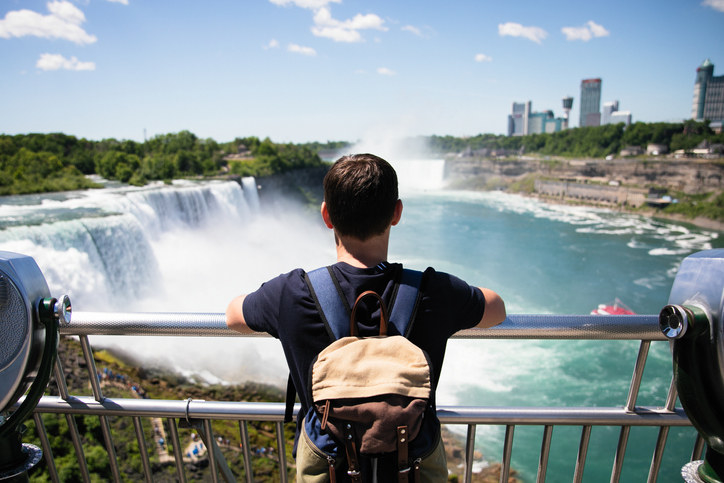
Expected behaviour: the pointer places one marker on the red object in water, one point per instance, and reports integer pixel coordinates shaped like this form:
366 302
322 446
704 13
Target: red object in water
616 308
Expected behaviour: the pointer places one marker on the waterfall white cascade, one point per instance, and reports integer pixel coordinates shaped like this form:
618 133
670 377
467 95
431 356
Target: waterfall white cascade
188 247
98 245
420 174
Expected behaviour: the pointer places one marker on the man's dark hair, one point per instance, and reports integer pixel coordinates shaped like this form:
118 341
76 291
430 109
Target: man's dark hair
360 191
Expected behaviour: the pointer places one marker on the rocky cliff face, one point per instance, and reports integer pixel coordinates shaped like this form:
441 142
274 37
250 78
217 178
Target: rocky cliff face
689 176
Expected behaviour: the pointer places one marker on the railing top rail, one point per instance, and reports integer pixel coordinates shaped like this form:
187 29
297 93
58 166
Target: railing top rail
271 411
516 326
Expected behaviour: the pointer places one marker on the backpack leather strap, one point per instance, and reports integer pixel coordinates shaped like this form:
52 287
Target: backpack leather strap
403 465
353 468
383 313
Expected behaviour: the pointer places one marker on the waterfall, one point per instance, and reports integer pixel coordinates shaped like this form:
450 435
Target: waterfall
101 247
250 192
420 174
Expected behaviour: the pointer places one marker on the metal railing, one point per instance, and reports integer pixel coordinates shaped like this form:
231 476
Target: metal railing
199 414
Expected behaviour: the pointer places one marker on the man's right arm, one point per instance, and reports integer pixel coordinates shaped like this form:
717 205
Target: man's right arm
494 309
235 315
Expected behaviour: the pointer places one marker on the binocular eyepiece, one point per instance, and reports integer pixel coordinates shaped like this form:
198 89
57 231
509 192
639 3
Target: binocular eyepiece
674 321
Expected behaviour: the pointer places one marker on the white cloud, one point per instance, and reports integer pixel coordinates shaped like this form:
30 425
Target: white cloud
577 33
331 28
124 2
483 58
597 30
412 29
273 44
715 4
309 4
337 34
58 62
298 49
587 32
385 71
347 30
63 22
512 29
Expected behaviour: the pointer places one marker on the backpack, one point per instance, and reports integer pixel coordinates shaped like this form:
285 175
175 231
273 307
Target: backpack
370 395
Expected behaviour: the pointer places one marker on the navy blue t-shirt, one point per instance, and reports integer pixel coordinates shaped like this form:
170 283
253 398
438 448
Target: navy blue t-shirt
283 307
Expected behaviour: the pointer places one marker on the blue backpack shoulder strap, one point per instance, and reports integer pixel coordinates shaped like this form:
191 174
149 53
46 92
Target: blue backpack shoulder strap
334 311
331 304
404 305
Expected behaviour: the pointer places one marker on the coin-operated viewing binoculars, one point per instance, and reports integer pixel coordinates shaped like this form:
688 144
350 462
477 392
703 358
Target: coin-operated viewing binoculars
694 322
29 320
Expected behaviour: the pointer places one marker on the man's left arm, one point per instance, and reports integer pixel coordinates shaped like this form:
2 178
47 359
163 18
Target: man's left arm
494 309
235 315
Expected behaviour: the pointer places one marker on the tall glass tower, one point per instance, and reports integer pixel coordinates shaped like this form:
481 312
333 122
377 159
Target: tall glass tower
590 102
704 73
708 102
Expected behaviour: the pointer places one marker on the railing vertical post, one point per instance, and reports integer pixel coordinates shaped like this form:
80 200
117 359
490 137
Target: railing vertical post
244 433
98 395
507 453
638 373
141 438
582 452
620 452
70 421
698 448
282 451
47 450
91 365
658 454
210 450
178 452
663 435
544 453
469 453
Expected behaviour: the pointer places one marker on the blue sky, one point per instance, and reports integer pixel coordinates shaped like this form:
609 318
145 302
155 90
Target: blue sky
319 70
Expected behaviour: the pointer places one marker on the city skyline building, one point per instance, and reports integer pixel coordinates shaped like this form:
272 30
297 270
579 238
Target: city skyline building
567 106
611 115
590 102
608 109
523 121
518 119
708 102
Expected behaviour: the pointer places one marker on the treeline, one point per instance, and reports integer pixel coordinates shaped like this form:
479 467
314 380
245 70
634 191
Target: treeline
33 163
592 142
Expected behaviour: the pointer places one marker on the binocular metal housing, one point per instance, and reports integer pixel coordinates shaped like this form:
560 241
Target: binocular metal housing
694 322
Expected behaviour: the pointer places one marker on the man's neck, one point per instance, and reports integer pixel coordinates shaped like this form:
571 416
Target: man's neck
363 254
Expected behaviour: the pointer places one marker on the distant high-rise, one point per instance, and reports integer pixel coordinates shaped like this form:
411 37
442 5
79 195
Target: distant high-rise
567 105
518 119
708 102
590 102
608 109
611 115
523 121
